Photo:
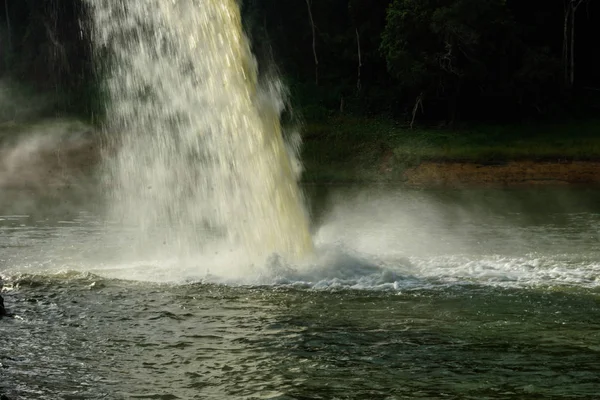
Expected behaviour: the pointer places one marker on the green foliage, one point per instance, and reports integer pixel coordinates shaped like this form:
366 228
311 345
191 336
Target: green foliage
366 149
485 60
50 52
440 48
408 43
465 59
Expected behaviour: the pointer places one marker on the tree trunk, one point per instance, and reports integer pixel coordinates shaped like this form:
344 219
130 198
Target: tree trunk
314 41
418 104
358 83
8 30
569 53
566 47
572 62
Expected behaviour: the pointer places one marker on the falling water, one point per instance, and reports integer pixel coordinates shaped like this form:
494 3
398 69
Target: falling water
200 142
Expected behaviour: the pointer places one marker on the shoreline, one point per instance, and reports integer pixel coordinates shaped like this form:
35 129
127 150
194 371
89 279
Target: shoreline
46 178
460 174
351 152
511 173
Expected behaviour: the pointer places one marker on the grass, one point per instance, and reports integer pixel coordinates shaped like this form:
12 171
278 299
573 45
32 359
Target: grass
370 150
355 149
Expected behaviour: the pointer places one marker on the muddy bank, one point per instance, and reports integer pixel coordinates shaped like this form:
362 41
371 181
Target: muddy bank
459 174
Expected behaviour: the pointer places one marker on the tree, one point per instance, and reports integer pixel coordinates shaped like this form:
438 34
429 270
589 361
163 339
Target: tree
571 7
314 40
434 48
8 30
50 50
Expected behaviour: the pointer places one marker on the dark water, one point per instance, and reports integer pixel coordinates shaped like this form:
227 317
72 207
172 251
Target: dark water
437 295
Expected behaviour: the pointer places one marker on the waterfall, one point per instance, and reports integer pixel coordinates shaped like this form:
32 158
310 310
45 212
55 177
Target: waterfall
200 146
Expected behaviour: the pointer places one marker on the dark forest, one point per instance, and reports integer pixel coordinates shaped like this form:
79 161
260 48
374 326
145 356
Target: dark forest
416 61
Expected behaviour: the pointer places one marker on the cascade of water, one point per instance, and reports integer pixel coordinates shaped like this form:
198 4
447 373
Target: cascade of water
200 141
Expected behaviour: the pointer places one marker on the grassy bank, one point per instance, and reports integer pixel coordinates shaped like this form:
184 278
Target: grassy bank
352 149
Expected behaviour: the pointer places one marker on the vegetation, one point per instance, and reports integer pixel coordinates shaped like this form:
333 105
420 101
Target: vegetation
414 61
45 49
365 149
387 84
377 81
447 61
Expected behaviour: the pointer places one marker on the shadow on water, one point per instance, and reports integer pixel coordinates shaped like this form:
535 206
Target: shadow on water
80 336
468 343
84 337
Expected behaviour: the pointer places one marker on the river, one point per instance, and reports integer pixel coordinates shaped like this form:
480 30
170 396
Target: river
437 294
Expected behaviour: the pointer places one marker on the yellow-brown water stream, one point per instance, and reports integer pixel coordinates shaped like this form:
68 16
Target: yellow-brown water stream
202 146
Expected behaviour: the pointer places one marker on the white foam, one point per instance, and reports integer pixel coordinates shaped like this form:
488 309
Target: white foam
335 267
383 243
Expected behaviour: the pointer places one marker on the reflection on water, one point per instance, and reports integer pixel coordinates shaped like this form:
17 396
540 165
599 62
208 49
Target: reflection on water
482 294
127 340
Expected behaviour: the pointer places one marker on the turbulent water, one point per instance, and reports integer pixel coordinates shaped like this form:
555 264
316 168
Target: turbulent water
197 285
199 138
435 295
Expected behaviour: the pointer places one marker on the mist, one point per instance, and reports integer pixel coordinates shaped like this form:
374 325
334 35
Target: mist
47 163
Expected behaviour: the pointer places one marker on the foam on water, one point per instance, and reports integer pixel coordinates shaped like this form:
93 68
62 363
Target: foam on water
350 254
373 240
336 269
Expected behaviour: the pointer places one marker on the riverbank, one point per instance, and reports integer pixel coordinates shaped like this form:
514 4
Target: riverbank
457 174
363 150
53 156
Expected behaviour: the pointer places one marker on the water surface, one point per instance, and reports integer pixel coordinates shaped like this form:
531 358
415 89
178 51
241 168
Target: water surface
484 294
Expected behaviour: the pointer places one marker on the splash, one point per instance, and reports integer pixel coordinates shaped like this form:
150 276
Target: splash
201 151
